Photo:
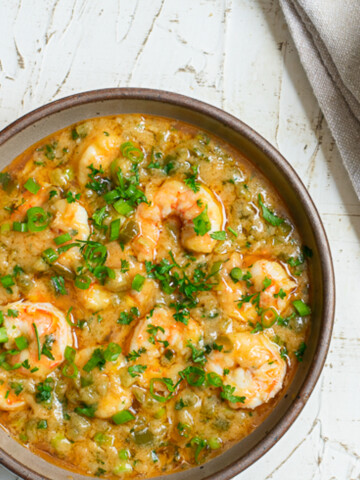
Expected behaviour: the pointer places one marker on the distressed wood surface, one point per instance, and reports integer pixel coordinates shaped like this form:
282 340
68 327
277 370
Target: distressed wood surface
237 55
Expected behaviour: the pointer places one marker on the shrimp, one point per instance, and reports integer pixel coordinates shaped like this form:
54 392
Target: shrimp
230 292
111 396
264 277
162 336
144 300
95 298
70 217
100 151
265 271
29 200
175 198
256 369
43 332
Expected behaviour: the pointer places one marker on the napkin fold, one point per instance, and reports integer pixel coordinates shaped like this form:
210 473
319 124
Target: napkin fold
327 36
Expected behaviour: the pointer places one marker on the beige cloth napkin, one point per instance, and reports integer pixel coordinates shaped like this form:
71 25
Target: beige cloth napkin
327 36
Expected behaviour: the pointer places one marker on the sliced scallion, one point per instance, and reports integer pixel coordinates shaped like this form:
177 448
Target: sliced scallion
37 340
38 219
301 308
32 186
65 237
123 416
49 255
83 282
114 230
123 207
20 227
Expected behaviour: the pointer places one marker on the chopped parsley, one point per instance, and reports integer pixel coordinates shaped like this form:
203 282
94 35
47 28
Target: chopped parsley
136 370
299 353
281 294
174 278
101 356
190 180
98 182
127 317
71 197
44 390
17 387
124 266
98 218
227 393
153 330
134 355
47 347
198 355
202 223
268 215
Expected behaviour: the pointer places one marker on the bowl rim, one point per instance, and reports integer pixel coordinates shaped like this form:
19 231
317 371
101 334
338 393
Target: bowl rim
233 123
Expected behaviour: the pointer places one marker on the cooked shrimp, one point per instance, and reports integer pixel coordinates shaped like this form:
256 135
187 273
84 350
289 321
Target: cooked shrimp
264 277
100 151
110 395
8 398
44 345
95 298
256 368
70 217
158 334
264 271
29 200
175 198
230 292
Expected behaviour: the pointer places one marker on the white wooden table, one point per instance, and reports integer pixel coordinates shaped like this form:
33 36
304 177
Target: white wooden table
237 55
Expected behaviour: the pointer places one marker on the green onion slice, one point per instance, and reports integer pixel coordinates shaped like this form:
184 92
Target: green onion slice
195 376
301 307
65 237
114 230
70 370
269 317
20 227
83 282
38 219
69 354
32 186
37 340
130 152
123 416
49 255
123 207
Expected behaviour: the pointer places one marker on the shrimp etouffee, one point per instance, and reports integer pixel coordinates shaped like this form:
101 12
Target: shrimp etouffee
154 297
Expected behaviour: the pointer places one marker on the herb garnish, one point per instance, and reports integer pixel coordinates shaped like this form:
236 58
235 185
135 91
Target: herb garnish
268 215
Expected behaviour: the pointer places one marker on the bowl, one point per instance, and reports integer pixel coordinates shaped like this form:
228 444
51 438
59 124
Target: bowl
43 121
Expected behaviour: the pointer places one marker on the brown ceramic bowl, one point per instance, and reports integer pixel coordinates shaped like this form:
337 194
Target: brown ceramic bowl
41 122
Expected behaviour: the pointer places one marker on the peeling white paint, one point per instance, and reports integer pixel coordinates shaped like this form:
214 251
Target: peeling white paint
235 54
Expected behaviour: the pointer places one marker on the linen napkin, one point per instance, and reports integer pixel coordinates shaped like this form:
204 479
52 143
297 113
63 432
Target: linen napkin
327 36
